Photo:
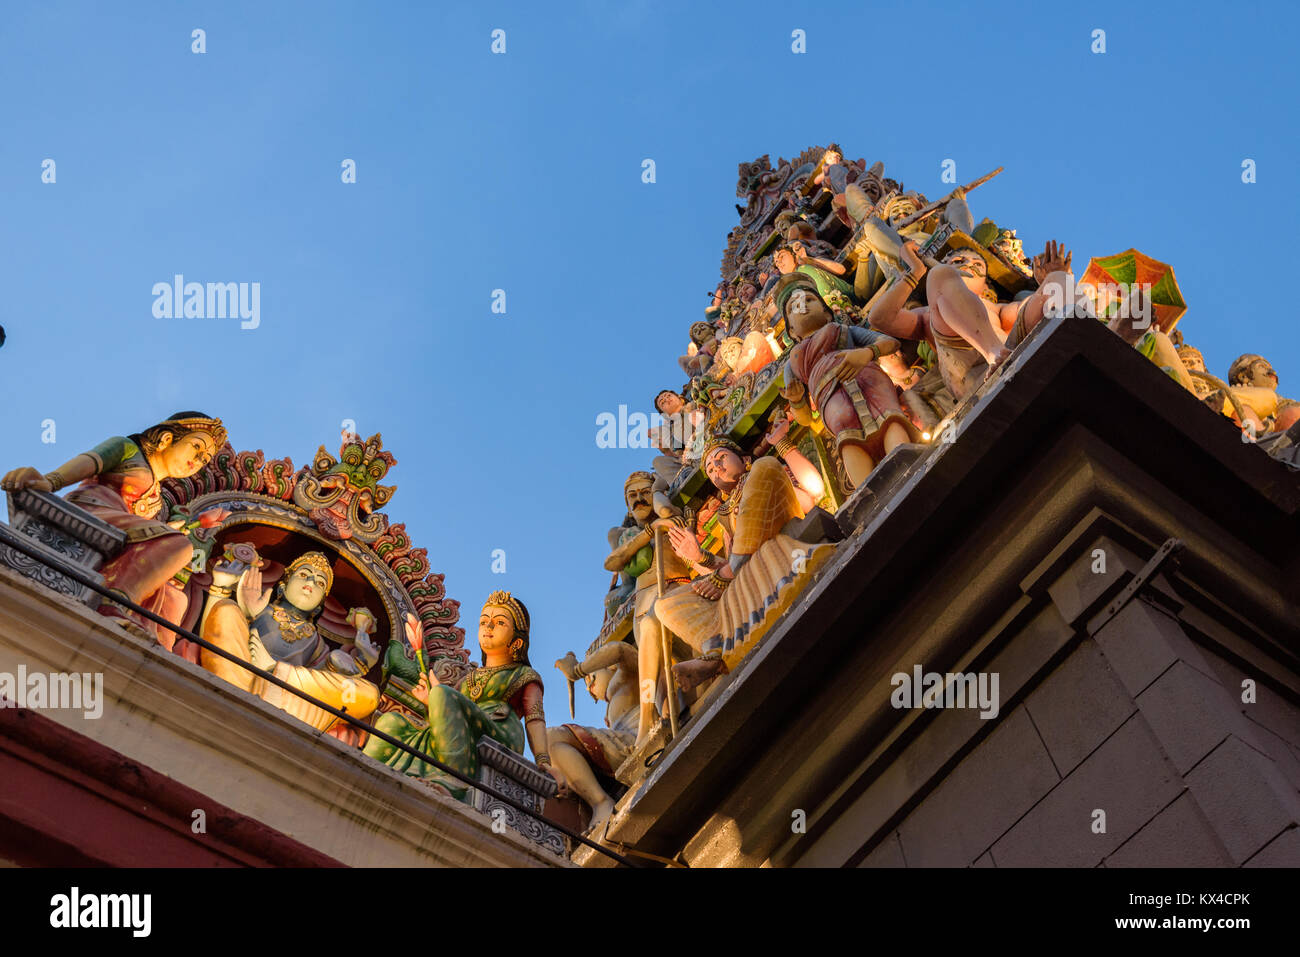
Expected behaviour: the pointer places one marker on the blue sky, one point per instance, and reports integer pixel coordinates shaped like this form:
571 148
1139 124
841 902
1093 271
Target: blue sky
522 172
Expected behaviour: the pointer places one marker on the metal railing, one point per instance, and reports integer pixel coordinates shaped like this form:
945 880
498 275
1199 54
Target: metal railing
14 541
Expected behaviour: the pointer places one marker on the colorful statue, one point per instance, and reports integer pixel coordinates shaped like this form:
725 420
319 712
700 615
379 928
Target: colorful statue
280 635
1194 362
121 485
501 700
1253 383
583 754
342 495
971 332
703 346
738 597
832 371
673 439
654 568
825 274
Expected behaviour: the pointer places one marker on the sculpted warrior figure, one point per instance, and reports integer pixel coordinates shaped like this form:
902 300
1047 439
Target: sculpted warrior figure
636 555
739 596
971 332
121 485
279 634
502 700
583 754
832 371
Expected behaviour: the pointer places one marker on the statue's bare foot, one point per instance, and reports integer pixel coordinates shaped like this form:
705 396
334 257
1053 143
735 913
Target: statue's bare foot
600 815
995 363
688 674
131 627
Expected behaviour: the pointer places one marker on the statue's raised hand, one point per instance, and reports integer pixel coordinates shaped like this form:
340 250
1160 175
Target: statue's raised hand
23 478
1054 258
779 430
251 593
684 544
911 255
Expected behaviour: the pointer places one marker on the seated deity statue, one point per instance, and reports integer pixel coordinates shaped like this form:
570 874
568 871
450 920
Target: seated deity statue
970 331
741 594
501 700
279 634
121 484
832 371
584 755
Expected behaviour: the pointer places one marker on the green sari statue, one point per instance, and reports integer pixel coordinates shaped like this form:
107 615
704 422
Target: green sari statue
501 700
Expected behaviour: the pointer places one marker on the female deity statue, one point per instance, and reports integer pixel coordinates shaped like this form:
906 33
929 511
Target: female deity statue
742 593
121 485
502 700
279 635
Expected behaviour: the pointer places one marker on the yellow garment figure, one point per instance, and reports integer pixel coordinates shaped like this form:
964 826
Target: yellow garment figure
1263 402
227 628
778 569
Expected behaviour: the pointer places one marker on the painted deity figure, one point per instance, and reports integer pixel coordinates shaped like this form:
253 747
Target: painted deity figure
741 594
501 700
1253 383
971 332
1193 362
121 484
702 348
278 633
673 439
825 274
832 371
583 754
639 555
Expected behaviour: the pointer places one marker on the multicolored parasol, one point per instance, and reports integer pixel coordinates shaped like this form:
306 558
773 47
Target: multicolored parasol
1109 276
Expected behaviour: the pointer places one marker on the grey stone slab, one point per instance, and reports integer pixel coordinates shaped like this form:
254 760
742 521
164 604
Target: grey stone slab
1282 851
1268 709
1179 836
1141 642
1244 797
983 796
1127 777
1190 714
1079 706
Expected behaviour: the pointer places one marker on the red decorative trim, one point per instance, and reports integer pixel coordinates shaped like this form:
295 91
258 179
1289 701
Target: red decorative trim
69 801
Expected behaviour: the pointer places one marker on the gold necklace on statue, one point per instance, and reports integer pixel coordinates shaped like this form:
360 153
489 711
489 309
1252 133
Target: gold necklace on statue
478 679
291 629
